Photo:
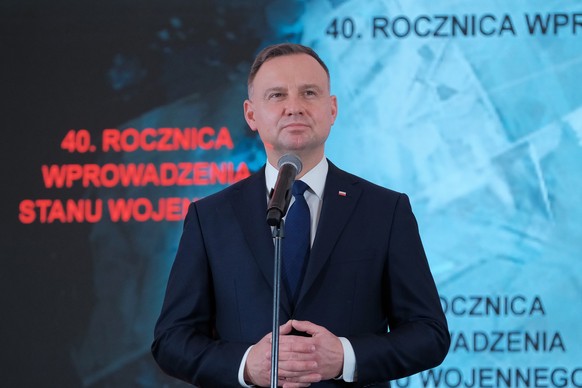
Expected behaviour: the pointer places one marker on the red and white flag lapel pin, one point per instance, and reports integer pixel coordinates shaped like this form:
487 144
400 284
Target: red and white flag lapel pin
342 193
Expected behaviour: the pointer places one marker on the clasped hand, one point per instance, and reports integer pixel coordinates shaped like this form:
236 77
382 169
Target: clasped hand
303 360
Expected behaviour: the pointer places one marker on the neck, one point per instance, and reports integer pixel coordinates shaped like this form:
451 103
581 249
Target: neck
309 161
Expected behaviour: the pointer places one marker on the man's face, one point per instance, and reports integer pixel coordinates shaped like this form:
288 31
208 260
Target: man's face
291 108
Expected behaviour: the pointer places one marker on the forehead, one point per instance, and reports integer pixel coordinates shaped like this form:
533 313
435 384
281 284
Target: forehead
290 70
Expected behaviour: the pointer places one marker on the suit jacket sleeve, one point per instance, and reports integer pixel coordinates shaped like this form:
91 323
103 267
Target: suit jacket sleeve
418 336
184 343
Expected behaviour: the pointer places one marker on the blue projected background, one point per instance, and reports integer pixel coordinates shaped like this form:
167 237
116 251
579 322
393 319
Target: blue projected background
484 133
472 108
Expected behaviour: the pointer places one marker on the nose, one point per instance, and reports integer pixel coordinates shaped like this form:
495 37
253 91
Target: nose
294 106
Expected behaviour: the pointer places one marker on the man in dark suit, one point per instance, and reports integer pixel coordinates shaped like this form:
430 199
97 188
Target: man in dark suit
365 310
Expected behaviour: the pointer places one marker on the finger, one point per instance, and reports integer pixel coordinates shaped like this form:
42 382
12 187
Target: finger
299 381
290 346
295 369
297 356
286 384
306 327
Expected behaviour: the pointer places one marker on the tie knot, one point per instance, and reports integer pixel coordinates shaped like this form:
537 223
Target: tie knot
299 188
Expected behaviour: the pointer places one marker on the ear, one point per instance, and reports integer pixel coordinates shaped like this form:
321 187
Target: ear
333 108
249 114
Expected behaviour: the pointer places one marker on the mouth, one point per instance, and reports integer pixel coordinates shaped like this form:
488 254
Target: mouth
293 126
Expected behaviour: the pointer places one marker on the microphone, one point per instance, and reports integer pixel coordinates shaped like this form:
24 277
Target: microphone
289 167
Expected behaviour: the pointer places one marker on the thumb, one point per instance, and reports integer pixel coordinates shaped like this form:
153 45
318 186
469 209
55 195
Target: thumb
286 328
305 326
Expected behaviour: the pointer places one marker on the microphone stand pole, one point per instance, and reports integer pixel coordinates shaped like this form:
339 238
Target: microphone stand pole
278 234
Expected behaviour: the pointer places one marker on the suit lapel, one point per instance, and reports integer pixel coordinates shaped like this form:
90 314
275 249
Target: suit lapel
249 202
339 201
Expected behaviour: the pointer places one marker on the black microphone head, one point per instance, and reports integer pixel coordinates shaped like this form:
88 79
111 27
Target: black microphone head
292 160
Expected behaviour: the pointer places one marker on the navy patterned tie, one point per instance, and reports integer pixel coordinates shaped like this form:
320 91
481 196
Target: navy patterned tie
297 241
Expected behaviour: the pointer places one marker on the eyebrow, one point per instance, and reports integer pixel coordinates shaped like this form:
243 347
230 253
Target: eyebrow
309 86
302 88
277 89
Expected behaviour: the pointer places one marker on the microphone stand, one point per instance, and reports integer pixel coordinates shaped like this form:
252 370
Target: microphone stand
279 200
278 234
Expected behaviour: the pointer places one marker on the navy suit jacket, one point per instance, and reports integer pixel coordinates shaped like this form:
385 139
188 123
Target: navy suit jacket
367 274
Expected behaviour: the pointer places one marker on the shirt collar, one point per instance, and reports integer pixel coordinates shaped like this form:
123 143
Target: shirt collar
315 177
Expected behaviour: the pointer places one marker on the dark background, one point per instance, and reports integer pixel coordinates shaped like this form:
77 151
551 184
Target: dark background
94 65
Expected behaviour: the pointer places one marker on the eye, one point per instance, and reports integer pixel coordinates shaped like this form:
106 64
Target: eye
310 93
275 96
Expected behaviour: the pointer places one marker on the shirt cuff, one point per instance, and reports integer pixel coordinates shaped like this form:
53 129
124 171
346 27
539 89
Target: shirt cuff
241 370
349 370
